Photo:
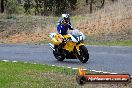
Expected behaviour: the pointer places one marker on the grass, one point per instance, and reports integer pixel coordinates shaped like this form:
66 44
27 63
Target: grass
35 29
27 75
113 43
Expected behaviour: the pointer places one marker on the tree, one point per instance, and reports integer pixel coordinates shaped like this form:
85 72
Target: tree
91 6
72 4
10 6
39 7
36 7
114 0
96 4
27 5
99 3
2 6
19 1
87 2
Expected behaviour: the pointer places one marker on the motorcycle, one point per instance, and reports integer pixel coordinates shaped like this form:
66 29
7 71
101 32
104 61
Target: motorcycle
70 46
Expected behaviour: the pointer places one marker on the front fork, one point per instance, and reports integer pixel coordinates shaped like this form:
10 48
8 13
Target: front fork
77 50
78 45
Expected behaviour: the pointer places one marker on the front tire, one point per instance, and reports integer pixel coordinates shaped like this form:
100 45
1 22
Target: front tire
84 55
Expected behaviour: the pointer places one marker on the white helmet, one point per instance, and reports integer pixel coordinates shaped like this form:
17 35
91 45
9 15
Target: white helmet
66 17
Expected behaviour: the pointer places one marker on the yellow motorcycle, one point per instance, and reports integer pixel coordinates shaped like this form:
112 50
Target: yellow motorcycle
70 46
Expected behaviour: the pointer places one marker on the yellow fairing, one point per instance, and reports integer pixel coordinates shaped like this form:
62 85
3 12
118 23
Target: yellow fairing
57 39
69 46
66 36
54 42
77 47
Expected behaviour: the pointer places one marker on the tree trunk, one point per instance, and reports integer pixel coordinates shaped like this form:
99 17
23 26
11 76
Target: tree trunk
103 3
2 6
36 7
114 0
45 8
87 2
91 6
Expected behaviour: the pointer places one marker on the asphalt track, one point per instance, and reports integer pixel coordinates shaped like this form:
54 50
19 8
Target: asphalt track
113 59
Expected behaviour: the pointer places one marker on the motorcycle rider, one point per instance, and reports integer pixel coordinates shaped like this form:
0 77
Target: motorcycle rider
64 24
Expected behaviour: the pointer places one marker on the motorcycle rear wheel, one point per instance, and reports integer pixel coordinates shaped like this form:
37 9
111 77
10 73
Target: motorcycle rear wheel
59 57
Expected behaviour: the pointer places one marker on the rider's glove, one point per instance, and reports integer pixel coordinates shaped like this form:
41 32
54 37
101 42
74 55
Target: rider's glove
70 27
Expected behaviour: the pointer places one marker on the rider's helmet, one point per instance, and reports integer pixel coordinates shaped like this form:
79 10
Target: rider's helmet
66 18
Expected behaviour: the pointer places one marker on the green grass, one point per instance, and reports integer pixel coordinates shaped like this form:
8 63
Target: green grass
113 43
26 75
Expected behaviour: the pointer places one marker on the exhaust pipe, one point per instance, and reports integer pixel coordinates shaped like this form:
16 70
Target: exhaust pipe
52 46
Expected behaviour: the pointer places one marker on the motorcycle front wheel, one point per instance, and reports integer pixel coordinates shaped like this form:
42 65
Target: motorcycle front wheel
83 54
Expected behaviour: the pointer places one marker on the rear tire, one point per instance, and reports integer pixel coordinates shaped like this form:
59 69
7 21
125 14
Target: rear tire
84 55
59 57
